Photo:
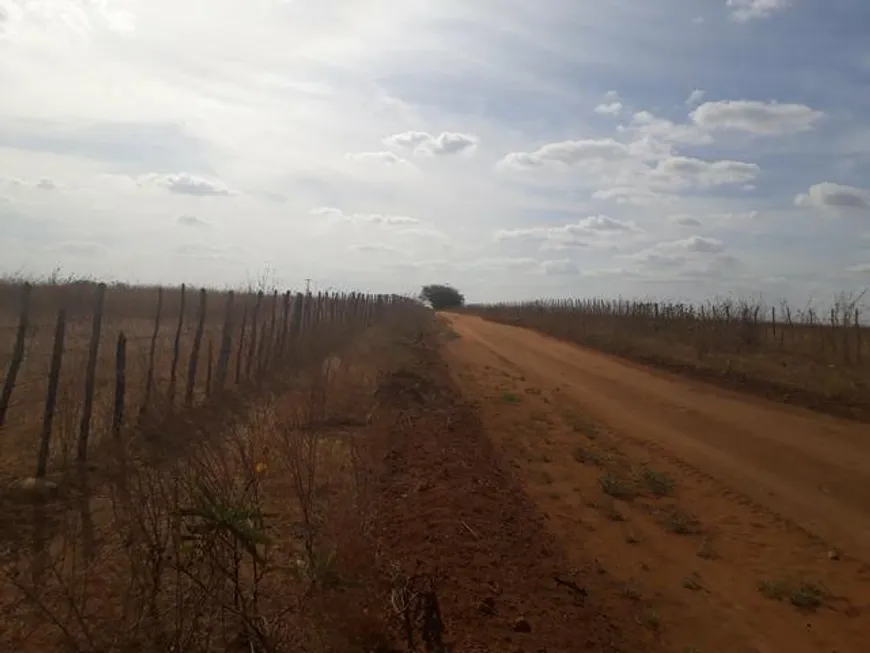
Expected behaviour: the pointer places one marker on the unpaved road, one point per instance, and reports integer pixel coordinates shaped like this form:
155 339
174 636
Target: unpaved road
779 497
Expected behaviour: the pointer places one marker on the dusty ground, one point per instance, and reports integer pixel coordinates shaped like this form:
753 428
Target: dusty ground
731 523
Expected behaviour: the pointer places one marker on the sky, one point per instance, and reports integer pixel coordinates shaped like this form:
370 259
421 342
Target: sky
676 149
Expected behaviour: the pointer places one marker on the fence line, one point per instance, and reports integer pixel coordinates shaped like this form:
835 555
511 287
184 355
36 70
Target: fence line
256 333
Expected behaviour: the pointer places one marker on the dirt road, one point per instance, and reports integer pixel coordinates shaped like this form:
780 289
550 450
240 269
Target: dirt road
763 507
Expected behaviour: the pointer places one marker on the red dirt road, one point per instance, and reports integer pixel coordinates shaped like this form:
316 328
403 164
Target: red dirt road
776 489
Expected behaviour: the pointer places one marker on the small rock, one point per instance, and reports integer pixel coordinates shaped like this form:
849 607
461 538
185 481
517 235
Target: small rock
522 625
37 487
487 606
833 554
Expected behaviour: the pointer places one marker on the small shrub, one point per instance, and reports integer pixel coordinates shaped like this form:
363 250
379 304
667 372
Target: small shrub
659 483
616 487
510 398
693 582
631 591
803 595
680 522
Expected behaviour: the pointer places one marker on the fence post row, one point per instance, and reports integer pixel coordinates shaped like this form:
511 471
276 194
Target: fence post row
17 352
91 375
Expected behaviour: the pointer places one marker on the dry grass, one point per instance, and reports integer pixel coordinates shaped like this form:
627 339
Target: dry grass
254 539
816 358
132 310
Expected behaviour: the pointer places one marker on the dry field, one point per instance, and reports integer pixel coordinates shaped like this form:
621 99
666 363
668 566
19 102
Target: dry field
811 358
365 475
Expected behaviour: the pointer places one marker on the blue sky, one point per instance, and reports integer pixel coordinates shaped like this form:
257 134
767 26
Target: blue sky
678 148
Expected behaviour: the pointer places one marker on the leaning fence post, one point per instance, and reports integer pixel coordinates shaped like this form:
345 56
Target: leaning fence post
120 385
226 344
17 352
176 351
91 375
149 381
51 395
194 355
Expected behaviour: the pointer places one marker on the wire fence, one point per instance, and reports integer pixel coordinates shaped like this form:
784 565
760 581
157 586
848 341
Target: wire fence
100 367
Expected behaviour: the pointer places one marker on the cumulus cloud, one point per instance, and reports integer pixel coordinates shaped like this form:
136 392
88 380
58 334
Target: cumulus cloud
830 195
685 221
631 195
48 184
863 268
375 249
646 125
425 144
746 10
609 109
567 153
559 267
683 171
363 218
759 118
382 157
584 233
191 221
183 183
695 96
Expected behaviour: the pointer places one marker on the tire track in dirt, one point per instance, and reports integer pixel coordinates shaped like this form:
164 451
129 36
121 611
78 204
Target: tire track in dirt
582 456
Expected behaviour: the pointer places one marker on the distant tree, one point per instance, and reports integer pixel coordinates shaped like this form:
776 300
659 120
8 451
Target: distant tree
442 297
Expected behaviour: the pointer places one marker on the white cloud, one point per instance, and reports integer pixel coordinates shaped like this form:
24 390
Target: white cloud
192 221
364 218
559 267
183 183
685 220
567 153
863 268
425 144
645 125
746 10
382 157
48 184
759 118
695 96
609 109
683 171
830 195
592 225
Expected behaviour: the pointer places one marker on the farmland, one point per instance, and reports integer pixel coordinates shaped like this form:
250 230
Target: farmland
267 470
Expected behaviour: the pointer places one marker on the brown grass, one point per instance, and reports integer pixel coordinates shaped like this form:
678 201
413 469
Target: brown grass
813 358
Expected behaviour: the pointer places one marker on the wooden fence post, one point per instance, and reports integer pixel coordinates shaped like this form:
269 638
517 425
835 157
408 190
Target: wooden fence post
17 351
266 339
149 381
226 344
194 355
209 354
241 345
282 349
176 351
120 385
857 336
91 375
51 395
252 350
